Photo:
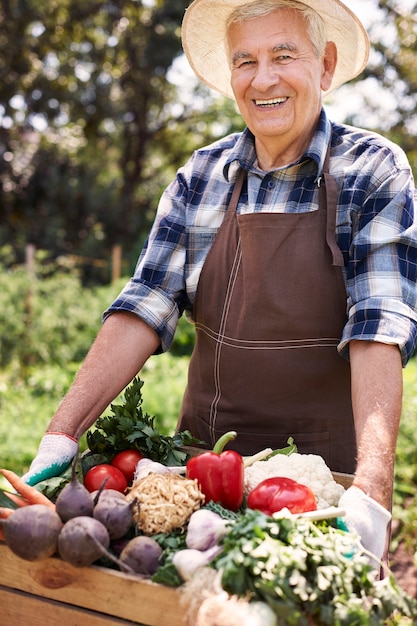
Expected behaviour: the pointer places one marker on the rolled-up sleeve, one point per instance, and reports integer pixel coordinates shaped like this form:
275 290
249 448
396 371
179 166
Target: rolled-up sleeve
156 291
381 268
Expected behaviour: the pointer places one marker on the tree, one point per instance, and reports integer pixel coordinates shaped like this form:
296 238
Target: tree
397 72
384 97
92 128
84 91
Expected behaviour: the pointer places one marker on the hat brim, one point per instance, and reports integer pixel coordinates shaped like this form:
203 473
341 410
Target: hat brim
204 40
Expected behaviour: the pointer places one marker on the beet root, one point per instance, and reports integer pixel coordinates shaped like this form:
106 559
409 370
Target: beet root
102 494
82 541
142 555
116 514
74 500
32 532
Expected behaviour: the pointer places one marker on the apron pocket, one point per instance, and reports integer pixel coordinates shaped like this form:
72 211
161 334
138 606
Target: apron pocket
248 443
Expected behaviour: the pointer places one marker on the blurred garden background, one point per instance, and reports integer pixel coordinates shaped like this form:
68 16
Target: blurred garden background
97 111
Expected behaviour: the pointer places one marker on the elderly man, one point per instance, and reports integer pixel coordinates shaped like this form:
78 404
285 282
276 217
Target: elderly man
291 246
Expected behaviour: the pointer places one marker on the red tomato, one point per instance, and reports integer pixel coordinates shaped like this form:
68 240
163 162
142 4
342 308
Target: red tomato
126 462
276 493
96 475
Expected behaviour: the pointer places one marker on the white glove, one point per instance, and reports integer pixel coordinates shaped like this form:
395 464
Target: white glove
368 519
55 453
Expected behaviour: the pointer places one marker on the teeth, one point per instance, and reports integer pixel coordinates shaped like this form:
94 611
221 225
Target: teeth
270 103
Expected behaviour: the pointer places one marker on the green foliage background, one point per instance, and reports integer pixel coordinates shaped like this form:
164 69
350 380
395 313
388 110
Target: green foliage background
42 346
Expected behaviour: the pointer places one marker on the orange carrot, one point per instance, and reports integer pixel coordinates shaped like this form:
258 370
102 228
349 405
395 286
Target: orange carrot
14 497
32 495
5 512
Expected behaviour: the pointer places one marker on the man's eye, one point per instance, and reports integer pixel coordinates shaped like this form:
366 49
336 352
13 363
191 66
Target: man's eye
245 63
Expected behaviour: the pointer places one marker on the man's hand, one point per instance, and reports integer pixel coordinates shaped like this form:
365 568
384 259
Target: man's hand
368 519
55 453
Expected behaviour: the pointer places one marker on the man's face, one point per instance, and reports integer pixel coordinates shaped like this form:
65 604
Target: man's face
277 80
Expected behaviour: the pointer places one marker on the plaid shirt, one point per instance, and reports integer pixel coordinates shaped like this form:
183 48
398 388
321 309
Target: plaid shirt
375 229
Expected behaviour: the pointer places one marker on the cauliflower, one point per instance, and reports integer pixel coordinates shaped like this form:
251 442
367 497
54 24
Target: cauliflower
307 469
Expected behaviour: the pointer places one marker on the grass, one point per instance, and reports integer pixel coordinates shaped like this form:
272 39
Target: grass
405 495
27 407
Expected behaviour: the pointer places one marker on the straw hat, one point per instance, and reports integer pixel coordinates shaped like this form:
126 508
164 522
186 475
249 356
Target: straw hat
204 40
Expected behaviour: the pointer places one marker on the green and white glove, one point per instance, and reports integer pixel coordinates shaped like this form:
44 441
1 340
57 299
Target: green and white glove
368 519
55 453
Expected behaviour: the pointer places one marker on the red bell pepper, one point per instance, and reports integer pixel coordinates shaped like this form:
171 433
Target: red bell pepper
221 475
276 493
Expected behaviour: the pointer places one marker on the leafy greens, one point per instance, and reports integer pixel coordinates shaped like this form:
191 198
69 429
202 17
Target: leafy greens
307 570
129 427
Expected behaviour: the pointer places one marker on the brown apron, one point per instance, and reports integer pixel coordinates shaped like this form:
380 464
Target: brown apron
269 311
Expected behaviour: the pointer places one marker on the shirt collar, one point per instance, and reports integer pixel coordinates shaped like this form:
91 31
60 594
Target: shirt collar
243 154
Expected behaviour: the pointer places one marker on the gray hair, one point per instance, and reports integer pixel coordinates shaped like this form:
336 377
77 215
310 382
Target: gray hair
315 25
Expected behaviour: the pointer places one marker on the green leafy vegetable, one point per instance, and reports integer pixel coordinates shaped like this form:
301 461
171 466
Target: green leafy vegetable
307 570
267 453
90 460
129 427
6 502
290 448
52 487
171 543
220 510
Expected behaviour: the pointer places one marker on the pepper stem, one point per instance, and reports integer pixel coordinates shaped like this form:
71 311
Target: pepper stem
223 440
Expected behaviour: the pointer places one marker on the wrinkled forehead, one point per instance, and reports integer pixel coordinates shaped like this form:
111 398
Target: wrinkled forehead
282 28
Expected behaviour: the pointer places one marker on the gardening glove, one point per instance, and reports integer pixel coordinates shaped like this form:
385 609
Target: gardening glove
368 519
55 453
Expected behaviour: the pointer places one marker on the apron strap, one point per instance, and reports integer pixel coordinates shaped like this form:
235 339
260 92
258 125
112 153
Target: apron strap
331 208
330 190
237 190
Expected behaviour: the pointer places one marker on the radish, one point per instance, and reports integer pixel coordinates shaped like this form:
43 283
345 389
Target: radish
32 532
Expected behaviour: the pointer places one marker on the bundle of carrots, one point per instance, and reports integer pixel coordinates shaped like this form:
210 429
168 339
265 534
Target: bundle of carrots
24 495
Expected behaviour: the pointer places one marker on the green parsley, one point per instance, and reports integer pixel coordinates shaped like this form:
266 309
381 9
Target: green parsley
130 428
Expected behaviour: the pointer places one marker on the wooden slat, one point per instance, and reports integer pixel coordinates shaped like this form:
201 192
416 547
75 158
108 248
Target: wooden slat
343 479
23 609
95 588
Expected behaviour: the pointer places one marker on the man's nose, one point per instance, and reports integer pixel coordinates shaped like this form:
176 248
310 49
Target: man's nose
266 75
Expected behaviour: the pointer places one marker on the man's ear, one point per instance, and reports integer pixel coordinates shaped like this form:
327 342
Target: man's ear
329 65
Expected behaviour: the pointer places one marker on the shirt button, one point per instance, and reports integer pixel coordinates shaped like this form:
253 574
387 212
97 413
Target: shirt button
271 184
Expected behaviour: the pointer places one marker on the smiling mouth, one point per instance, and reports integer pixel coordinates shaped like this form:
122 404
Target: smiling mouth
269 104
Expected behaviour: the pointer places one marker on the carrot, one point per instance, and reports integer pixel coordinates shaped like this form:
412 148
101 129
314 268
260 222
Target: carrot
5 513
14 497
32 495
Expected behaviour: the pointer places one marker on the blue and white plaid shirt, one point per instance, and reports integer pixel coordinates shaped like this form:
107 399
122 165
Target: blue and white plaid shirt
375 229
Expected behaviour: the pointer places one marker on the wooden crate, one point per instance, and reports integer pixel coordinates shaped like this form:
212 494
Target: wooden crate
343 479
54 593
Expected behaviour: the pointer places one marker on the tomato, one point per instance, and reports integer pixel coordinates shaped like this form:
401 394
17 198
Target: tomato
276 493
126 462
96 475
